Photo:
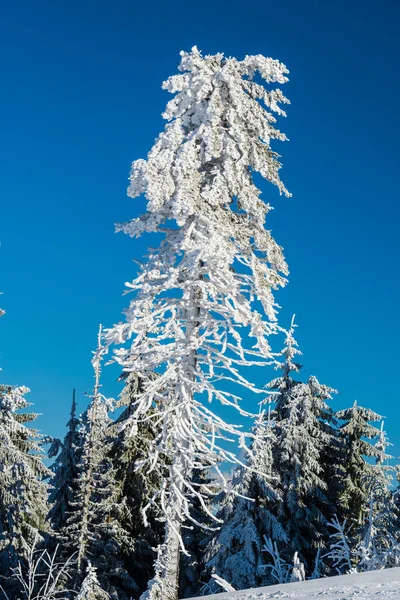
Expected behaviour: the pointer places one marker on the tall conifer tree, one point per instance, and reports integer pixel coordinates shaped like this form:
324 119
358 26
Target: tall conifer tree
197 291
65 468
91 528
304 431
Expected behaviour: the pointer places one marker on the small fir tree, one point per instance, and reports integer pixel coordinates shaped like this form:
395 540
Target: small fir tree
340 552
23 492
384 471
378 543
90 588
304 431
356 432
65 469
247 514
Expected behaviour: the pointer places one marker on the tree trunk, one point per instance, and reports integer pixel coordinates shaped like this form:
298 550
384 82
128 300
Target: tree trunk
165 584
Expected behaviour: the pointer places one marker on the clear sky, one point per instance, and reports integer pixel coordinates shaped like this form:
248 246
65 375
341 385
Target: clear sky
81 98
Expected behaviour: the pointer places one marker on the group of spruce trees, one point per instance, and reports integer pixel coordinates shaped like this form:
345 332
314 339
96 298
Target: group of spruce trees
314 497
140 506
85 509
320 488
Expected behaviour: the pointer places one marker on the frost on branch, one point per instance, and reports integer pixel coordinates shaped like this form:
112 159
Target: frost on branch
209 285
340 553
278 567
42 576
222 583
378 546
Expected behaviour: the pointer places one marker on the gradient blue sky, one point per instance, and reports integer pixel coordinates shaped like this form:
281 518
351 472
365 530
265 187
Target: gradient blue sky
81 98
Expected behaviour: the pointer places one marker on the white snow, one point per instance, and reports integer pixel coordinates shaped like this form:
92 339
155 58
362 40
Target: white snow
370 585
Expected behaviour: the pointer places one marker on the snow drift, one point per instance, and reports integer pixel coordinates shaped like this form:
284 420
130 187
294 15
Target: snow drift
372 584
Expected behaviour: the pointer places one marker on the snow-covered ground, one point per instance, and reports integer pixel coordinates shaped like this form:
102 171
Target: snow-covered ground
373 584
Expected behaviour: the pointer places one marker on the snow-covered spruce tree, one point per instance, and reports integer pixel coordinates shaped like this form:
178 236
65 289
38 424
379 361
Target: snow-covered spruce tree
355 433
23 493
90 588
304 430
248 512
373 550
96 475
378 545
135 487
91 488
384 471
65 469
90 527
332 469
373 543
283 385
211 276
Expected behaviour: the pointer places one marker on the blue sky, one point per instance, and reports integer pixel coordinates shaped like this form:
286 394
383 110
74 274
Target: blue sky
81 98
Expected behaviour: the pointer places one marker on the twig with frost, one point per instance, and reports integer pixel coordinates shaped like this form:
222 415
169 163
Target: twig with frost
42 577
227 587
279 568
340 551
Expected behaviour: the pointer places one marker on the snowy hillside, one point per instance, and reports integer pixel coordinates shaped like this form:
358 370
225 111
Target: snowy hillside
373 584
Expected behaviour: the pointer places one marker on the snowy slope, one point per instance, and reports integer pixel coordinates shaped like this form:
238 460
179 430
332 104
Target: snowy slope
373 584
